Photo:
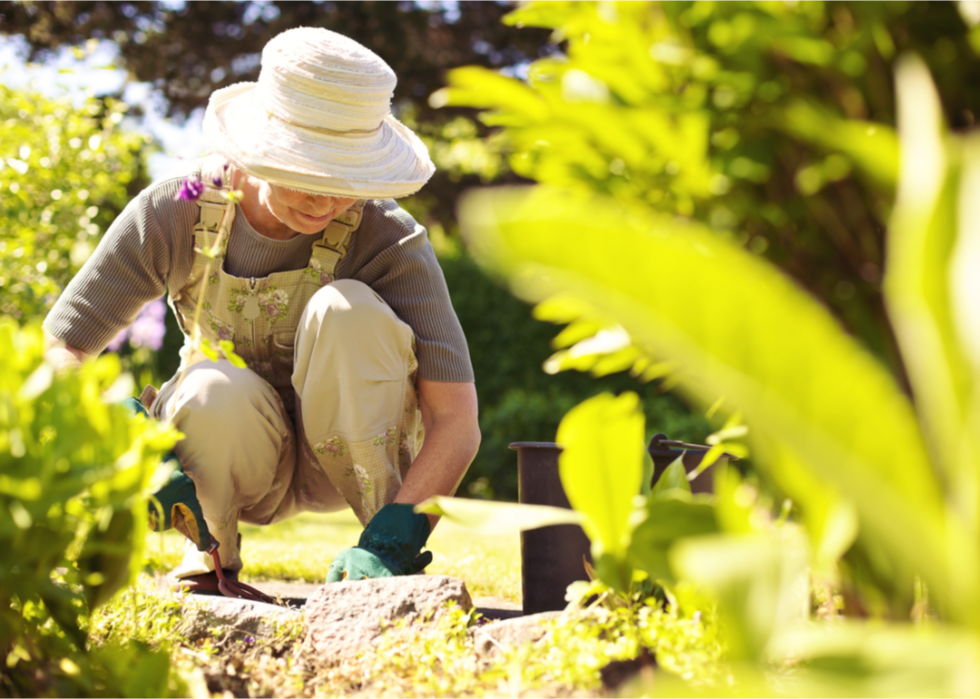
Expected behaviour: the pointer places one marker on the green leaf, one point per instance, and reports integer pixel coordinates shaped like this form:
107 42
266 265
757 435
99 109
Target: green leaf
228 349
821 409
106 553
873 147
676 515
646 483
854 658
601 466
479 87
208 351
488 517
674 477
918 290
753 578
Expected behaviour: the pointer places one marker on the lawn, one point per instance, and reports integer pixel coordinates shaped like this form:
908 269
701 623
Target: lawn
301 549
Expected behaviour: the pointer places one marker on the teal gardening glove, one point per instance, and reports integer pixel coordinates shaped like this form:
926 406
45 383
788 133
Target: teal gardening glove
178 499
388 546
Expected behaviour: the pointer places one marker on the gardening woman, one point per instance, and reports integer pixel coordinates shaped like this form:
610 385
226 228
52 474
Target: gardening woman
287 243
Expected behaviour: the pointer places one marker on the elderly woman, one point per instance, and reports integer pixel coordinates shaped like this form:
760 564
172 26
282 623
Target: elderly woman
328 290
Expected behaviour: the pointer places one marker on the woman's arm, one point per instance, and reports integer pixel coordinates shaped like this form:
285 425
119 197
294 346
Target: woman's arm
148 245
452 437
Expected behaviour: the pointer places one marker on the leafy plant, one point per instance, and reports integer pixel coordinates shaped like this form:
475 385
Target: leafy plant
828 424
75 473
885 489
65 173
770 123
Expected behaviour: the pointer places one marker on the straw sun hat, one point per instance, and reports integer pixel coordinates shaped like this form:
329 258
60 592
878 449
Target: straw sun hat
319 120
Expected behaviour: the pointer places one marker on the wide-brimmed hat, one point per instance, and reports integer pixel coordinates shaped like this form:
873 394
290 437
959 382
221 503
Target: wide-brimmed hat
319 120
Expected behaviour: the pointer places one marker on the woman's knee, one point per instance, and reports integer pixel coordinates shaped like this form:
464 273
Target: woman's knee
348 307
222 389
217 403
234 430
349 334
348 319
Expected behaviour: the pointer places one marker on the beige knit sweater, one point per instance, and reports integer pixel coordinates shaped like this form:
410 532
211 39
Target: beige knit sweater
148 251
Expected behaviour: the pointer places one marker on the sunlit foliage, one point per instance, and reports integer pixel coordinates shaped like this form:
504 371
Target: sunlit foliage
65 173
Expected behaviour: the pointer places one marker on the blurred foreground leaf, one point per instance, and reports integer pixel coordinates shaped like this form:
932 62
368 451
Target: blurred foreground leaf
822 410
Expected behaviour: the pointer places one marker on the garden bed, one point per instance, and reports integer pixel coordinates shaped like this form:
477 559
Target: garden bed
447 654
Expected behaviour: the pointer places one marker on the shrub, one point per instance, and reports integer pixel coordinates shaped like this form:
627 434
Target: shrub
65 173
75 475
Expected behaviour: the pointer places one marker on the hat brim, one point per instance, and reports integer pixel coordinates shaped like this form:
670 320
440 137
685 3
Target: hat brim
386 163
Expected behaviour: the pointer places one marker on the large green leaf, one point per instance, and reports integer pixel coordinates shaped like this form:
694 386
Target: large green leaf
846 659
488 517
737 327
753 578
484 88
674 477
669 518
601 465
873 147
919 292
855 658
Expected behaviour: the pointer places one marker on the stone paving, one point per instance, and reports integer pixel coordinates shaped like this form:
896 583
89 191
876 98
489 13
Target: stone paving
492 608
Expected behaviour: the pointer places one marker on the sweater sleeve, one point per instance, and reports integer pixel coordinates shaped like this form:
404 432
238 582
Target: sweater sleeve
148 245
394 257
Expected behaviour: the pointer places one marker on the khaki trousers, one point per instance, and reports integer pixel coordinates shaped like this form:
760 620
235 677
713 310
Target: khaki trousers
357 426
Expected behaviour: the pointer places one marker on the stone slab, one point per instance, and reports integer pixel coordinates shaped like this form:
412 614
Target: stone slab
225 618
492 608
495 637
345 618
497 608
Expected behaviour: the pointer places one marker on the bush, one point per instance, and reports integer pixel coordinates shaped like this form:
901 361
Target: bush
75 475
771 123
65 173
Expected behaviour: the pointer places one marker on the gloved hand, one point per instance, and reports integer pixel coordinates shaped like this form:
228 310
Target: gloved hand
177 498
388 546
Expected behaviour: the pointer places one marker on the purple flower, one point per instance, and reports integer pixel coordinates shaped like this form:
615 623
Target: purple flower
149 327
146 331
217 181
117 342
191 190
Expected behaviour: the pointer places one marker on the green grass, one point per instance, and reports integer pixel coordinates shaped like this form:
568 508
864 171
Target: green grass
301 550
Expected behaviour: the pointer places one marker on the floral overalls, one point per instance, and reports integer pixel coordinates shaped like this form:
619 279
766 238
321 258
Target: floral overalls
261 317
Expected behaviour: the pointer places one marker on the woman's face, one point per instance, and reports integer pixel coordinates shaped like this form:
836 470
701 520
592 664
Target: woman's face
298 211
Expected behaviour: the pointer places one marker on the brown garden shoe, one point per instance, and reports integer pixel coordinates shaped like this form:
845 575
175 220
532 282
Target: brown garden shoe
205 583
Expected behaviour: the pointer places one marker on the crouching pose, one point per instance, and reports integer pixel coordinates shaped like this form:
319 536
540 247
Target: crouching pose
358 390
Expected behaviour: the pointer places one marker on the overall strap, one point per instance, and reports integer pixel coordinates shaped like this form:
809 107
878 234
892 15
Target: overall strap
213 205
332 246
